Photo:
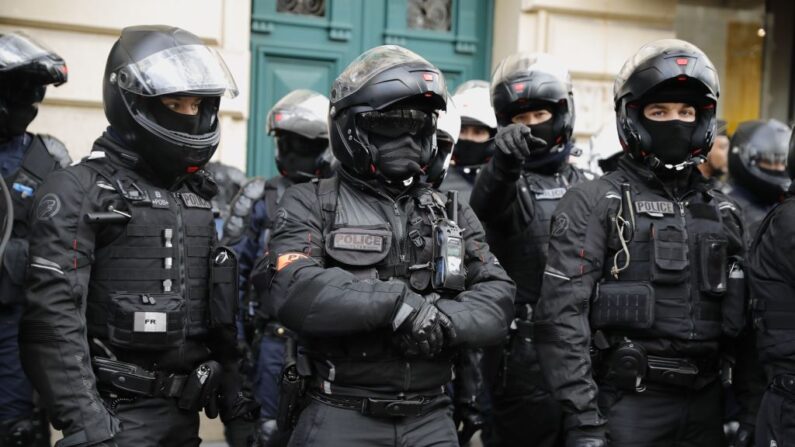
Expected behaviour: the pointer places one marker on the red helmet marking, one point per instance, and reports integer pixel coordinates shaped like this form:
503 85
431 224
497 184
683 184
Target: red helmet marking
681 61
192 169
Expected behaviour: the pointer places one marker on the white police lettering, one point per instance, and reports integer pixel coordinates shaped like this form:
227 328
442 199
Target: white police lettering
150 322
654 209
358 242
193 201
550 194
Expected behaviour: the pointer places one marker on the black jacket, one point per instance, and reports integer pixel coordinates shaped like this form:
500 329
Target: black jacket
72 263
581 250
515 207
343 312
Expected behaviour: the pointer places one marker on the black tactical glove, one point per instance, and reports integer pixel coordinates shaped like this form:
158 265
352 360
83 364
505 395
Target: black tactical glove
587 437
419 325
516 143
743 437
468 420
234 400
201 389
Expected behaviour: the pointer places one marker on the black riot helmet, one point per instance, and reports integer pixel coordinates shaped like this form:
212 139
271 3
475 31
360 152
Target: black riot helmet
532 81
387 92
756 142
26 68
668 70
147 63
299 123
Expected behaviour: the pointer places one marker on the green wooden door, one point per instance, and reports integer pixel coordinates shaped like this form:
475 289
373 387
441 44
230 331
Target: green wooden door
306 43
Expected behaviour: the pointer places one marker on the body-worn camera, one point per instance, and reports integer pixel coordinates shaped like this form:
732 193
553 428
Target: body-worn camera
449 272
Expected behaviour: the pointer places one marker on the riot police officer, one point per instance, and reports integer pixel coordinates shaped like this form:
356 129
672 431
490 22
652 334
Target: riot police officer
26 159
514 196
758 169
382 280
229 180
299 124
644 279
129 328
475 144
772 285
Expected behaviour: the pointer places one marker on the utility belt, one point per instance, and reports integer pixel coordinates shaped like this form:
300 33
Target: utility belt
396 407
630 368
783 385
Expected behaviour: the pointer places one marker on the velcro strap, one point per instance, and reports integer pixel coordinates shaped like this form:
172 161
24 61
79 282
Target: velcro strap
193 230
676 253
144 230
142 252
134 274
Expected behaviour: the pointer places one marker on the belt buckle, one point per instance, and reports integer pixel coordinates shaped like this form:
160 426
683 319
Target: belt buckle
393 408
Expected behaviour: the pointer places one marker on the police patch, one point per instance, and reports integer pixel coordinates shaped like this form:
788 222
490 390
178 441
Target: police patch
158 201
559 225
358 242
654 209
550 194
49 205
194 201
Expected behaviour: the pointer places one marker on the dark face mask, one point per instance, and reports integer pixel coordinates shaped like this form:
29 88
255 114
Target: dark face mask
544 131
471 153
19 118
671 141
174 121
299 157
398 158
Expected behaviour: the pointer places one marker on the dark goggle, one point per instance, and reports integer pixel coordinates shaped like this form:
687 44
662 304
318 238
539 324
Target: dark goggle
300 145
395 123
24 94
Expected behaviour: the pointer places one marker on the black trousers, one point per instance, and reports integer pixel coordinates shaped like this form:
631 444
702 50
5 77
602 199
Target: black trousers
156 422
664 416
323 425
523 412
775 422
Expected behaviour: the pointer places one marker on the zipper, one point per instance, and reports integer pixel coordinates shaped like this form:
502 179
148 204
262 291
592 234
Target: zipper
691 308
180 233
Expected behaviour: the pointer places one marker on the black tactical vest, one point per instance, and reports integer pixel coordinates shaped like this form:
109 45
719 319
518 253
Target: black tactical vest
524 253
150 281
676 283
238 223
44 155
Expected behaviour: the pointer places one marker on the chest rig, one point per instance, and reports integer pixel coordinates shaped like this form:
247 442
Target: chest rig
150 280
523 253
416 241
666 274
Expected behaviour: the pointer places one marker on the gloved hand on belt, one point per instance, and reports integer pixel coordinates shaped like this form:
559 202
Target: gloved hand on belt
234 400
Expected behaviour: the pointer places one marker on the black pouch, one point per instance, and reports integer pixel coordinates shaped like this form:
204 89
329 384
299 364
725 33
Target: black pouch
733 304
224 287
623 305
712 259
12 275
669 255
292 388
146 321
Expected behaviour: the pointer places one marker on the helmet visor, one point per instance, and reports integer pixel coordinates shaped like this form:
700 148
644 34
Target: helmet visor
303 112
398 122
18 49
371 63
190 69
520 64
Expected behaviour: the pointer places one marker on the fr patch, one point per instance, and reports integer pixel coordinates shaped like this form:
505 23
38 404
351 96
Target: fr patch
358 242
559 225
49 205
654 209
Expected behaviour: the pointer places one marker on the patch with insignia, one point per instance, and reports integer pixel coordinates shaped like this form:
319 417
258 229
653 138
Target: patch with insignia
288 258
49 205
159 201
550 194
358 242
654 209
192 200
559 225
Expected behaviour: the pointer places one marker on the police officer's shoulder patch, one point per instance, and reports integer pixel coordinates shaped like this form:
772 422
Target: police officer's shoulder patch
559 225
48 207
286 259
